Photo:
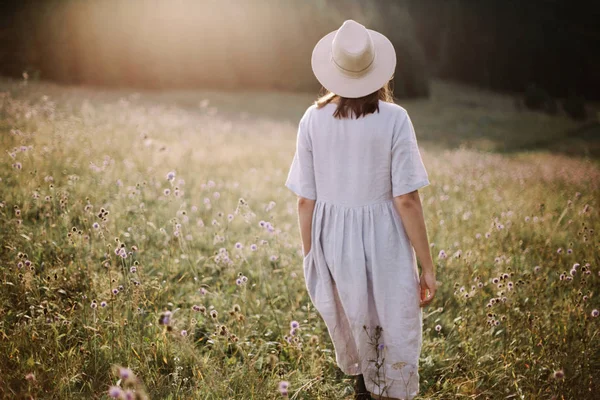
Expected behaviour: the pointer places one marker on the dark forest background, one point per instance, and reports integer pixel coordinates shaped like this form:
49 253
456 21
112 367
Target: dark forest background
504 45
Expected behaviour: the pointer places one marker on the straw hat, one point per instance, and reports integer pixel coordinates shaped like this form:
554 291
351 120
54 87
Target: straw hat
353 61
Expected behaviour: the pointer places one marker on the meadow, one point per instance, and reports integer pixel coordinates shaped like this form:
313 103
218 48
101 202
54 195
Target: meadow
151 250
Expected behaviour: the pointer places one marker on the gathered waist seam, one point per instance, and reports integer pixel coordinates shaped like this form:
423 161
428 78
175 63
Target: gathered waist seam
391 200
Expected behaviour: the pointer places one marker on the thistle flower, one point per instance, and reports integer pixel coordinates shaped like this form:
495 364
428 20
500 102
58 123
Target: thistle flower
94 305
115 291
167 192
253 247
438 328
103 304
165 318
559 374
442 254
283 387
171 176
238 245
126 373
595 313
294 324
115 392
214 314
184 333
95 225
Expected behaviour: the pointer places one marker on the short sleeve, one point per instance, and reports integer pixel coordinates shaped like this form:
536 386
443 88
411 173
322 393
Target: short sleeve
407 168
301 176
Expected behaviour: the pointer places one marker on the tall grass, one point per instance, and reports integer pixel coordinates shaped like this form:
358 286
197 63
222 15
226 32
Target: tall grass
144 235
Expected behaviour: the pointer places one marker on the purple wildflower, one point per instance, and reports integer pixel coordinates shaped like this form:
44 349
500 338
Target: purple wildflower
115 392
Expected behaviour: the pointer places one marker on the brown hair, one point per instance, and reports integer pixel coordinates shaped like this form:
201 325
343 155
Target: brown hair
358 107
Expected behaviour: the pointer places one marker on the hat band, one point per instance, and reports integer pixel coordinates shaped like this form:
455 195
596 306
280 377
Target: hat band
350 73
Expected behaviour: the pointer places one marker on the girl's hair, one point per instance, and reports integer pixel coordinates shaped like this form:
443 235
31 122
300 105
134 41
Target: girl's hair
358 107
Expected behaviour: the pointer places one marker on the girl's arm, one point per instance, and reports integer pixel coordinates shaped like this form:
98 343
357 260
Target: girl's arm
306 208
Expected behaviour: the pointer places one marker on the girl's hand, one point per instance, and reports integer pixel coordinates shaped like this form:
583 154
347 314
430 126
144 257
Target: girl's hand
427 283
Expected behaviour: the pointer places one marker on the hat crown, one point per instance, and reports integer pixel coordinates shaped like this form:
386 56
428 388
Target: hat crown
352 48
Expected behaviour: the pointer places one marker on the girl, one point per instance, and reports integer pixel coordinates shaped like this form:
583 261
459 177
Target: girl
357 170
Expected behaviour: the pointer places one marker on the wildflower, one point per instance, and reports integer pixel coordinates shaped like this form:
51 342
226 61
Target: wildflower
559 374
293 331
165 318
438 328
237 308
273 258
30 377
196 307
184 333
238 281
171 176
595 313
202 291
569 251
253 247
244 279
129 395
115 392
238 245
262 223
214 314
133 269
126 373
283 387
167 192
95 225
559 251
103 304
380 346
115 291
487 235
294 324
442 254
495 280
230 217
537 268
94 305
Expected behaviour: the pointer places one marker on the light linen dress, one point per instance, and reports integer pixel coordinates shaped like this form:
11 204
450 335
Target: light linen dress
361 271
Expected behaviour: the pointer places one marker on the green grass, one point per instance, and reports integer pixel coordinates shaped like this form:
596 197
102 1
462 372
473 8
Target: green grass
493 210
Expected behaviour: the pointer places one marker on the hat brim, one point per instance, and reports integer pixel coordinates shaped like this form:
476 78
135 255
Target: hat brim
334 80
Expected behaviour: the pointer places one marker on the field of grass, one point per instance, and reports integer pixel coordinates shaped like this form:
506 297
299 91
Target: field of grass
153 231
